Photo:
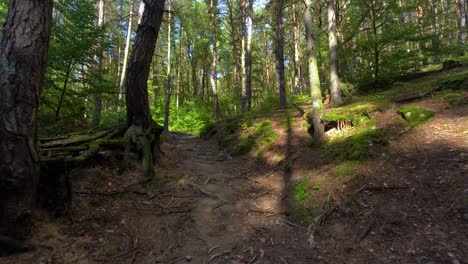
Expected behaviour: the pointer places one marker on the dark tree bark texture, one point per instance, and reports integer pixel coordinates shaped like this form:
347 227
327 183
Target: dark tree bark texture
23 55
138 111
281 81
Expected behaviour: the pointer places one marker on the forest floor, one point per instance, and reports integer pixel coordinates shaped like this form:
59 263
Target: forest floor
407 202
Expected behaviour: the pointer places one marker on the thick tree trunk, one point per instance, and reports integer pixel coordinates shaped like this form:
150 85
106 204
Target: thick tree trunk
23 55
281 82
335 88
214 76
125 59
317 106
142 131
248 69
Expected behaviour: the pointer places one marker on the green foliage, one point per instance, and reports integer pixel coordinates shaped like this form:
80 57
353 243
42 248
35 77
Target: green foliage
451 97
345 169
264 133
415 115
301 192
356 146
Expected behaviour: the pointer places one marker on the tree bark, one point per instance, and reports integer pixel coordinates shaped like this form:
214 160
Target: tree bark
314 79
125 59
281 82
23 55
167 105
248 69
462 21
142 131
297 52
98 58
214 76
335 88
243 55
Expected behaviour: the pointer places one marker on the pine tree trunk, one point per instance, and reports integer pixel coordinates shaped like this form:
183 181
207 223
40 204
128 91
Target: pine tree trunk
125 59
23 54
462 18
281 82
142 131
248 69
97 95
297 52
317 106
167 105
335 88
215 62
243 61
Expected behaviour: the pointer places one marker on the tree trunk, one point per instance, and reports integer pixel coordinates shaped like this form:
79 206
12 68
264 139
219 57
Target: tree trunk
297 52
167 105
23 54
317 106
248 69
125 59
141 128
97 95
267 60
281 82
214 76
335 88
243 55
462 18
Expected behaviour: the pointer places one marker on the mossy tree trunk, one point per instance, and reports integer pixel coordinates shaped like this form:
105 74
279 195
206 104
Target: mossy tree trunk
23 55
317 105
335 89
142 130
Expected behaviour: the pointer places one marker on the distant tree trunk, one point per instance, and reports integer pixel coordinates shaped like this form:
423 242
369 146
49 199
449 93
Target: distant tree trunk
297 52
335 88
125 59
281 82
462 18
97 95
142 130
64 88
179 62
167 105
317 106
248 69
376 44
235 46
23 55
267 59
214 76
243 61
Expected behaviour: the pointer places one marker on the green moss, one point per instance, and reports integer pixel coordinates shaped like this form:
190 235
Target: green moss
355 147
451 97
415 115
243 147
260 154
301 192
346 169
264 133
454 77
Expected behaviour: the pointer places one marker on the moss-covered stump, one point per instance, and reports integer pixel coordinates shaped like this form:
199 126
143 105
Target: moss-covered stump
415 115
146 143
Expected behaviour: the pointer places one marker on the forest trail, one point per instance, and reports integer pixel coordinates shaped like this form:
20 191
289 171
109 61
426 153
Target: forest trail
407 202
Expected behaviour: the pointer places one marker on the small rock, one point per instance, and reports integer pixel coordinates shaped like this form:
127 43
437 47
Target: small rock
188 258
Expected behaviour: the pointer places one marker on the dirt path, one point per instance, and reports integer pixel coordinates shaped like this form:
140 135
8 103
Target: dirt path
206 207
